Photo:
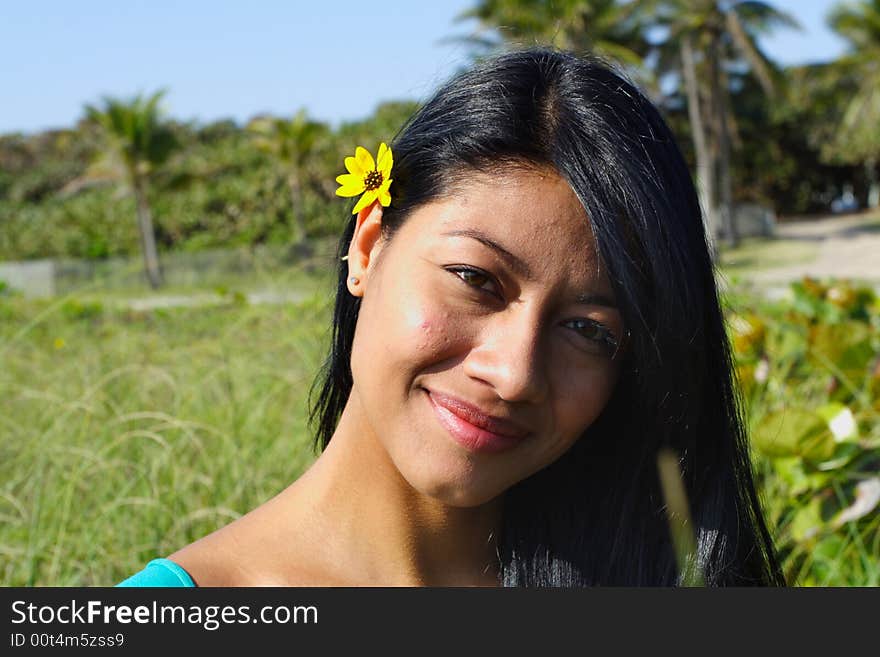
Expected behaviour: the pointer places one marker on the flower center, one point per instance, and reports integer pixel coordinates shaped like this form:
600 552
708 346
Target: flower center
373 180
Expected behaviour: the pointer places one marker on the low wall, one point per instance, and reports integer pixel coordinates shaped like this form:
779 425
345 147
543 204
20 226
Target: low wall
51 277
33 278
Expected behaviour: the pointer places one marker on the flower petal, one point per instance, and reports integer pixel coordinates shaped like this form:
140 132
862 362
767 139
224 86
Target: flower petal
364 159
383 195
351 180
366 199
385 160
349 190
353 167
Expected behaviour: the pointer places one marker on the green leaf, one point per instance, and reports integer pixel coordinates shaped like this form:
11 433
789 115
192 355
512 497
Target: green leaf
846 344
827 555
794 432
807 521
843 454
791 470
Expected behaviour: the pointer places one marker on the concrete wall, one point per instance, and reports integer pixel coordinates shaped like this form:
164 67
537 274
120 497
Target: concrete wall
46 278
33 278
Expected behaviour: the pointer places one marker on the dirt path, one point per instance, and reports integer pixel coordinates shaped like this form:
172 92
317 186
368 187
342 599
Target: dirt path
849 247
172 301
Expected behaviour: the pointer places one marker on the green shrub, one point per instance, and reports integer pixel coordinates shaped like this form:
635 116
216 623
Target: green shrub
810 376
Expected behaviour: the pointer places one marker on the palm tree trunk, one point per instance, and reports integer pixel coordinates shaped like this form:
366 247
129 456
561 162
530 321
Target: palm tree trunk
698 132
873 183
148 237
725 204
299 221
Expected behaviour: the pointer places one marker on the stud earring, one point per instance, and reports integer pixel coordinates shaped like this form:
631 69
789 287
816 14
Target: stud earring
353 280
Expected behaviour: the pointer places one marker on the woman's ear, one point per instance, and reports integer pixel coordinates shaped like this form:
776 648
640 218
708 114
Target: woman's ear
366 243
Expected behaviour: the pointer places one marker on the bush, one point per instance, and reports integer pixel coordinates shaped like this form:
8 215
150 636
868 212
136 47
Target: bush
810 376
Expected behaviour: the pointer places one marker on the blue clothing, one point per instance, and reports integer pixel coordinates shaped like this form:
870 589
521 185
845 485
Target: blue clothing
160 573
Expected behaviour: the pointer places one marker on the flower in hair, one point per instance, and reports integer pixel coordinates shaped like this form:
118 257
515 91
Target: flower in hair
367 177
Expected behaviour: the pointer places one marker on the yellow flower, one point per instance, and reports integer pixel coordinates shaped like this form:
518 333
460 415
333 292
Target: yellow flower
372 178
59 343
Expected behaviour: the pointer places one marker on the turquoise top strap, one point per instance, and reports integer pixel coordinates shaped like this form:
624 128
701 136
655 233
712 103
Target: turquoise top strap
160 573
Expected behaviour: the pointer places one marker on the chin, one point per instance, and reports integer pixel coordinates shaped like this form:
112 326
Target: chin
459 492
459 499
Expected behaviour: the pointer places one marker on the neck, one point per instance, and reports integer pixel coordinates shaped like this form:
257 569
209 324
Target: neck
374 528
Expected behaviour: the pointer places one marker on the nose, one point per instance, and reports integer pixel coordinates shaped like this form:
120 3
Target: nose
509 357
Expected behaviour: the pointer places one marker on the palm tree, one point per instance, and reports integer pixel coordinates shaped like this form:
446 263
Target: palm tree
137 143
706 35
858 135
292 143
605 28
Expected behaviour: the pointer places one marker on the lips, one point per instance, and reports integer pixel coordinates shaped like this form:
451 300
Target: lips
475 416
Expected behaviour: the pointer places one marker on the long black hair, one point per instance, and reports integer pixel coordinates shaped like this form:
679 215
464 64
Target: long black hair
596 515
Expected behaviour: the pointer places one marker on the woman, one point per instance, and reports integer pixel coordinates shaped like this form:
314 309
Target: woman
524 316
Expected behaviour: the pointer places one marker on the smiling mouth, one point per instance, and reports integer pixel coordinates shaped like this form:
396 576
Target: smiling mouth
468 435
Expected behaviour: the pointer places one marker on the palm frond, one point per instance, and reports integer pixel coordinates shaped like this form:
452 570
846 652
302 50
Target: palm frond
746 45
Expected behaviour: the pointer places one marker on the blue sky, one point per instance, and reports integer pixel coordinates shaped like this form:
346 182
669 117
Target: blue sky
225 59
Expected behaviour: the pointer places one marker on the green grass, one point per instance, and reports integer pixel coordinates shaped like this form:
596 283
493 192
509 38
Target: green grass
126 435
757 254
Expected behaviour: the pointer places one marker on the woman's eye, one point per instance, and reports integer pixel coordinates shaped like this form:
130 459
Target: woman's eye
596 332
473 277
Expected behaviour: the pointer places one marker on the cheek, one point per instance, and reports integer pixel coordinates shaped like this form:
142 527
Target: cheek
430 333
403 328
437 330
579 405
432 336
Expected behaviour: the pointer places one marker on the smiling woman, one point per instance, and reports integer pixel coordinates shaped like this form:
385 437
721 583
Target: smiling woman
513 365
525 315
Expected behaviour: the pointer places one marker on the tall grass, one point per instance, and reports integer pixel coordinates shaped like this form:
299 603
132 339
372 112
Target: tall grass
125 435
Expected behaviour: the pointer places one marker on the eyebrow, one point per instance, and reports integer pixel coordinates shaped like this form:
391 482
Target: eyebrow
522 268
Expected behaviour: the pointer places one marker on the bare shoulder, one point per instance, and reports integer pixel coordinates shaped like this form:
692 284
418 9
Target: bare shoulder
252 551
208 560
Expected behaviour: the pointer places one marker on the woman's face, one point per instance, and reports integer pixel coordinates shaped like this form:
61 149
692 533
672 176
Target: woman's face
445 315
